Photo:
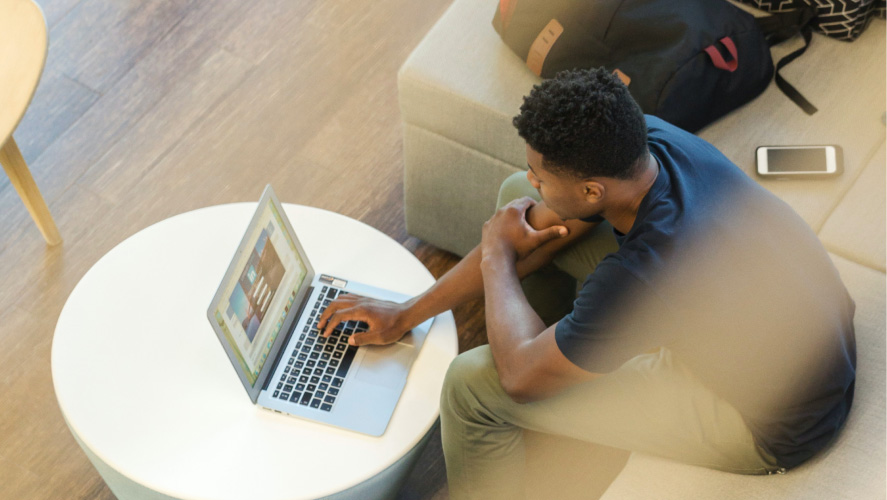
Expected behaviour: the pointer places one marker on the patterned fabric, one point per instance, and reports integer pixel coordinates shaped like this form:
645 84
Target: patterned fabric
841 19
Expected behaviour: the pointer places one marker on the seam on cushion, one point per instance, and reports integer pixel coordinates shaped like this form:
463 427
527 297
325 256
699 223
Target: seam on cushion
464 100
427 83
865 164
849 258
466 150
463 146
838 251
832 255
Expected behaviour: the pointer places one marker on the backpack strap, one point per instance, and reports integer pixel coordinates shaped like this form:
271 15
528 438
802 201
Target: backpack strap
779 27
718 60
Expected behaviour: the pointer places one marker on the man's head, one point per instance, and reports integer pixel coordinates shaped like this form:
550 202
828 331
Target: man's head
585 124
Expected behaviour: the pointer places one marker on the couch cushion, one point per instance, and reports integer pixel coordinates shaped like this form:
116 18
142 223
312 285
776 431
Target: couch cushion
463 83
857 227
449 189
846 82
852 467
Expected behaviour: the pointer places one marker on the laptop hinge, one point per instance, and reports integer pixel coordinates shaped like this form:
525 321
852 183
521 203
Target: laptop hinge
289 334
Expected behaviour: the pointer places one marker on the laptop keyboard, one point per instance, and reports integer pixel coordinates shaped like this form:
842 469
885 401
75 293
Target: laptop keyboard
317 366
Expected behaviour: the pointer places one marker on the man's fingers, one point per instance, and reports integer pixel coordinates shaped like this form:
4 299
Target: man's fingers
327 324
344 316
325 316
368 337
523 203
344 301
375 335
555 232
548 234
341 314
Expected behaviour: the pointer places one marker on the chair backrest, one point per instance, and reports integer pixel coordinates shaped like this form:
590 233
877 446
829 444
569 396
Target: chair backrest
23 46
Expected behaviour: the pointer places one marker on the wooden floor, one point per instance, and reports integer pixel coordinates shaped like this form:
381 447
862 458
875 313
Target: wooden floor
148 109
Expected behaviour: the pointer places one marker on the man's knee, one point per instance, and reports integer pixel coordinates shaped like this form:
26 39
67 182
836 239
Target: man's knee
515 186
470 378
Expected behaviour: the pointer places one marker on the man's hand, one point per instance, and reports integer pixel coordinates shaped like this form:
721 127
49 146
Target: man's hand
508 234
386 320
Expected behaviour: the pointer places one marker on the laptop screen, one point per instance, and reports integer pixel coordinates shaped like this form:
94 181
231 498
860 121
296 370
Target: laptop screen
257 296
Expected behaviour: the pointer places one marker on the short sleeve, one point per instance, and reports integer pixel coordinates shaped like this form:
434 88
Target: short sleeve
606 327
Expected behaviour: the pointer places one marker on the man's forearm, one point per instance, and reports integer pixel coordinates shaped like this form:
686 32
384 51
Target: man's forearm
464 283
511 321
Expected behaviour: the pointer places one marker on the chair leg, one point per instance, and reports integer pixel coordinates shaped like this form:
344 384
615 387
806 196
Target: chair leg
20 176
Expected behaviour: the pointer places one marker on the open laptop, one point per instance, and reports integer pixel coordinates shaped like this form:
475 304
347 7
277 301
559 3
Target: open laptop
265 314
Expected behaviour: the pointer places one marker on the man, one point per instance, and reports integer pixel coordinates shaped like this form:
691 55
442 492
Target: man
717 332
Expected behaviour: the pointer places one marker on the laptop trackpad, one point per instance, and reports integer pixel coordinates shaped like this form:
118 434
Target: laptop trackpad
385 365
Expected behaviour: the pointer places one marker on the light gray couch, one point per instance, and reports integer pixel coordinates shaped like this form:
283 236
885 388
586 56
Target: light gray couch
458 92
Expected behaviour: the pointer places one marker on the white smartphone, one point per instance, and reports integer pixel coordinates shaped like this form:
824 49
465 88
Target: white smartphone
789 162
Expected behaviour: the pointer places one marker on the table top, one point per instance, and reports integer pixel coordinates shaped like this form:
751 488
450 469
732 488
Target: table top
23 46
143 381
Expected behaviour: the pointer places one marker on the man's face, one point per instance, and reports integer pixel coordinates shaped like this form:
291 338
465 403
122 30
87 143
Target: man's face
566 196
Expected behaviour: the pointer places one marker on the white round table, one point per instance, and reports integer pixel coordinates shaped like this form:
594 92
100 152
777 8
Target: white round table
149 394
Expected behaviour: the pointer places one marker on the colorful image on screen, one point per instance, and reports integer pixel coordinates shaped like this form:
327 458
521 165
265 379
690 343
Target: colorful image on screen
257 285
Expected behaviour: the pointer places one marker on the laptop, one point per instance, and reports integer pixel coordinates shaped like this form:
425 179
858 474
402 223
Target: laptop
265 314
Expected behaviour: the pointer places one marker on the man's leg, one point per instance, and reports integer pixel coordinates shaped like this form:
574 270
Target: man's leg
552 289
652 404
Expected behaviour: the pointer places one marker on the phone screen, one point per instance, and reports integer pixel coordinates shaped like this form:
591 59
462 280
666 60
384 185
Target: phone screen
796 160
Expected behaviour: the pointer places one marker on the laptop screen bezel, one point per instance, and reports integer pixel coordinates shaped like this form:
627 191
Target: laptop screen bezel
268 197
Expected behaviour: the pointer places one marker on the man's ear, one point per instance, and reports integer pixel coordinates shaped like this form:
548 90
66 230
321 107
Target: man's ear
594 191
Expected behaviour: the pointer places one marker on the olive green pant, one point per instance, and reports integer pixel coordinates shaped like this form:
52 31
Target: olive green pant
652 404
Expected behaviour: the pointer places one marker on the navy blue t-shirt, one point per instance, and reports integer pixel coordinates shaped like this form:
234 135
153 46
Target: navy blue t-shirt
737 286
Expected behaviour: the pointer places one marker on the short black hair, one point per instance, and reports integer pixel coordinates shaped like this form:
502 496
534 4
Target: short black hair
584 123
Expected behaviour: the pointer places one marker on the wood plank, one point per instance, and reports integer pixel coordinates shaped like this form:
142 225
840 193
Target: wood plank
46 275
359 139
16 481
17 345
254 136
70 154
293 107
100 40
129 160
58 103
264 26
55 10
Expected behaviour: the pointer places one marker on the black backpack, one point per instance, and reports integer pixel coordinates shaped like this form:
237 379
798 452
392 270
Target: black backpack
688 63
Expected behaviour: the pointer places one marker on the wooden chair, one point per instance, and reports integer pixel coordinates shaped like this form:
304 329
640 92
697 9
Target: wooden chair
23 46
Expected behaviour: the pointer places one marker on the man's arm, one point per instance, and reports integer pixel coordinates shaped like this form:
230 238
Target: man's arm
389 321
530 364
